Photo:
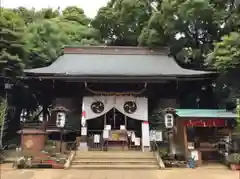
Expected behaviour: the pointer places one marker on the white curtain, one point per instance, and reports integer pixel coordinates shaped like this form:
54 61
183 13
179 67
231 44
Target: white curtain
108 102
142 107
118 102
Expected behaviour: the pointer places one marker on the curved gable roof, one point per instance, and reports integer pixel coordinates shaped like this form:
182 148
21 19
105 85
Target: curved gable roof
106 63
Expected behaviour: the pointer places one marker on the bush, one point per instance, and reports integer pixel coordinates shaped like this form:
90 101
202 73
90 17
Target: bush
233 158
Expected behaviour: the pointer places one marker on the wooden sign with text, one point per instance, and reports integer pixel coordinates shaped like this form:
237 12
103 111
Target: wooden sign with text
205 123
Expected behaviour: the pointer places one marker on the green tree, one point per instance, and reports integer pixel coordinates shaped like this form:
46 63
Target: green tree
3 113
44 40
189 27
226 54
121 21
226 59
78 34
75 14
12 51
28 15
48 13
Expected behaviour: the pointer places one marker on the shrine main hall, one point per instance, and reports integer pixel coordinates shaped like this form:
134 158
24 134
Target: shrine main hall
116 89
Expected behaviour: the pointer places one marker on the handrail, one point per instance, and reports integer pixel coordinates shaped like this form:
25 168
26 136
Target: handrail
72 153
2 153
72 145
157 155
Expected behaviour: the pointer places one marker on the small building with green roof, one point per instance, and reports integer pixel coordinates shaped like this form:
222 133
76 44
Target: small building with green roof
203 130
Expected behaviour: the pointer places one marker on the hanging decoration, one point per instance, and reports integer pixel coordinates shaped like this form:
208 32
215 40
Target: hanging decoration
97 107
105 93
133 107
130 107
83 119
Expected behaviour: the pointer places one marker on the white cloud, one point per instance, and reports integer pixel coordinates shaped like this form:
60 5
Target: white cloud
90 7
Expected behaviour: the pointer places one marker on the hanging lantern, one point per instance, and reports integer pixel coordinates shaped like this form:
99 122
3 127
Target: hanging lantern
23 115
169 120
61 119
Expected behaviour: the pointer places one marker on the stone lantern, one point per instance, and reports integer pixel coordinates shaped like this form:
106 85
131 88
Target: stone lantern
61 119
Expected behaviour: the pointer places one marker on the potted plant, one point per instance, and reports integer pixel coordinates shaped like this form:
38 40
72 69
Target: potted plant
233 161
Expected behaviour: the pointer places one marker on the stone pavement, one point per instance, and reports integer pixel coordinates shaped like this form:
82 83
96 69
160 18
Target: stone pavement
199 173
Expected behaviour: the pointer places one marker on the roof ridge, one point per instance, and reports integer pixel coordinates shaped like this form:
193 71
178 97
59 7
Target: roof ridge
115 50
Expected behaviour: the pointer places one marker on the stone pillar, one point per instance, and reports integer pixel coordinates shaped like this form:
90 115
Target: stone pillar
145 137
83 139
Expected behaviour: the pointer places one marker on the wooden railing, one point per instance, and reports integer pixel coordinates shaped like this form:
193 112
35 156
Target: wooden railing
156 152
90 140
104 144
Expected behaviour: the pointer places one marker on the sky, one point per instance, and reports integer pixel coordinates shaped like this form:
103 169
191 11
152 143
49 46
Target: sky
90 7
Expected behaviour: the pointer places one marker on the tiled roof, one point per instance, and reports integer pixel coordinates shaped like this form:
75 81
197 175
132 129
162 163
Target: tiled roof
205 113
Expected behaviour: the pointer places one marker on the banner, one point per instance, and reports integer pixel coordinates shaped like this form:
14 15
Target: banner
117 102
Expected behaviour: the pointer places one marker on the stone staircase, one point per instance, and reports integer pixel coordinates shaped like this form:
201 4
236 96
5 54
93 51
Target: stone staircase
114 160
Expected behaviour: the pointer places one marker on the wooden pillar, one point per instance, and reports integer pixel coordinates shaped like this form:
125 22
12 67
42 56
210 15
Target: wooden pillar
185 141
181 137
114 118
45 120
105 120
125 121
45 117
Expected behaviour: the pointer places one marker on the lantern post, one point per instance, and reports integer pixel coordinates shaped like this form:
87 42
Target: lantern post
61 119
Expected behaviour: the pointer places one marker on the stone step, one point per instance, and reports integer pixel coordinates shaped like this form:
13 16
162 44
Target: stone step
113 155
114 162
115 152
113 158
114 167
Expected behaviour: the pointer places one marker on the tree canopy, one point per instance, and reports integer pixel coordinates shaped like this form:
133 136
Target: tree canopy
35 38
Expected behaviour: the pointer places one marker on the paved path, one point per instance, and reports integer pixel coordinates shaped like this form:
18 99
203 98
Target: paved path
199 173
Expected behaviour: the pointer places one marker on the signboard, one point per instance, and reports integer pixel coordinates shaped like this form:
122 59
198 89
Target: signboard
84 131
105 134
194 155
122 127
117 135
159 137
205 123
156 135
137 141
108 127
96 138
